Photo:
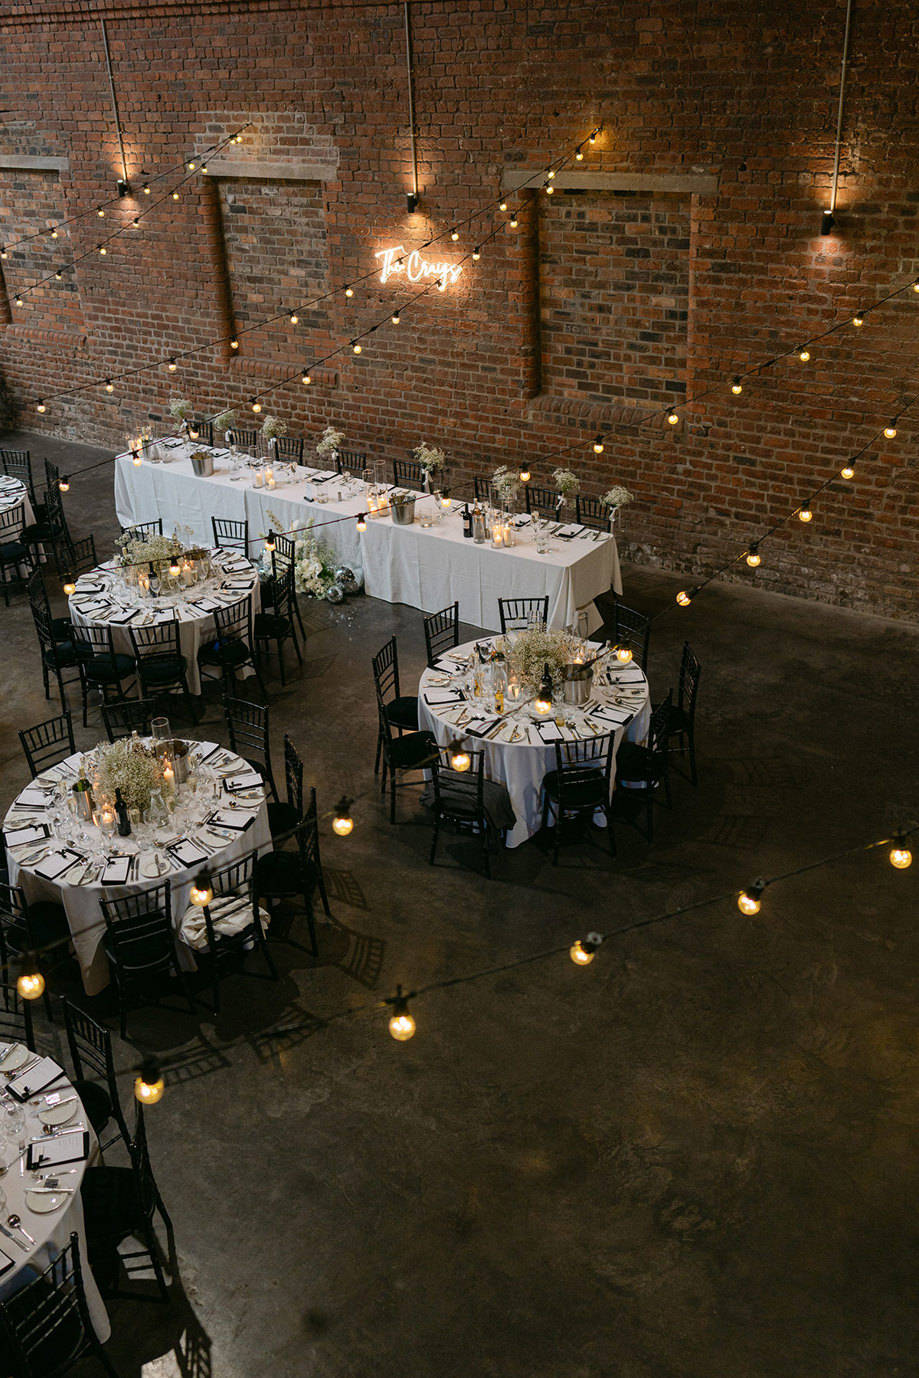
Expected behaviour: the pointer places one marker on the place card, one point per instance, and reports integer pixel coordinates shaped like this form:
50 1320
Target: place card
44 1073
18 837
188 853
116 871
57 863
56 1150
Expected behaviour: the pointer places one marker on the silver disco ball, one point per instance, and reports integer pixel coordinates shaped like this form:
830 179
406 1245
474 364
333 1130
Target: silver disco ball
345 578
335 593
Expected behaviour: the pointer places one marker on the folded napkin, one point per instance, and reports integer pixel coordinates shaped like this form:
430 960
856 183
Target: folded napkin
29 1083
18 837
629 674
522 519
122 615
450 667
568 532
205 605
63 1148
115 871
230 914
439 698
188 853
236 819
323 475
57 863
205 750
94 608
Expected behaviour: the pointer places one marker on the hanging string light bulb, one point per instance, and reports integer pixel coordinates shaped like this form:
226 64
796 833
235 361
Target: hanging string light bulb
513 222
548 188
306 378
270 545
234 343
103 250
342 822
58 274
754 559
401 1023
69 583
454 235
40 407
395 318
804 512
146 189
579 153
172 366
476 254
349 291
623 653
737 387
19 300
109 385
899 855
4 254
149 1083
101 213
598 445
175 196
858 319
684 597
294 318
749 901
460 760
355 347
916 285
255 404
136 459
848 469
202 891
64 484
672 418
804 354
584 950
30 983
891 429
524 474
361 521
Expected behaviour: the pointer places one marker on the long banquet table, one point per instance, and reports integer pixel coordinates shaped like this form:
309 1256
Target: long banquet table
425 567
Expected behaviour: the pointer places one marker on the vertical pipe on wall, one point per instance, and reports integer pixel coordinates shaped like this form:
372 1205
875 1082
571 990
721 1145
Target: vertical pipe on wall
842 94
411 97
111 83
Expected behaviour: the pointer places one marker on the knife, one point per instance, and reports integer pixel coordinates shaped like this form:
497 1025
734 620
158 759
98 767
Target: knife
14 1238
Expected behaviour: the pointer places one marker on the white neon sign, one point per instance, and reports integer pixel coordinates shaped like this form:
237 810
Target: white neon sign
396 262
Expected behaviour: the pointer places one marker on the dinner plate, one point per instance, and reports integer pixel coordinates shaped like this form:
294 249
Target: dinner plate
59 1114
16 1057
152 866
44 1202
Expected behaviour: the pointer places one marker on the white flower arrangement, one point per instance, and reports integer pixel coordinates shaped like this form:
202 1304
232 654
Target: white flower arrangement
158 550
505 483
314 561
272 427
179 409
429 457
536 648
617 496
566 482
330 442
128 767
225 420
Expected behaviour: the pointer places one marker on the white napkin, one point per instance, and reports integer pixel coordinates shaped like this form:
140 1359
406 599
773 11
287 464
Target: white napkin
440 698
116 871
230 914
33 797
248 780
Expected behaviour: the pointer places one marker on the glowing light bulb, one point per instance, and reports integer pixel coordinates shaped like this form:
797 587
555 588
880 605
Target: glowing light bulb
514 222
550 173
64 484
441 285
524 475
579 156
342 822
294 318
3 252
355 349
204 167
58 274
31 983
916 285
623 654
175 196
684 598
101 213
201 892
460 760
396 318
361 522
172 366
672 418
349 291
145 189
476 254
804 513
69 585
136 459
584 950
749 901
190 166
899 855
858 320
804 355
401 1023
593 137
306 379
754 559
891 430
454 235
54 234
103 250
847 470
19 301
270 544
149 1084
737 387
40 407
549 189
502 206
598 445
175 569
109 385
446 500
256 405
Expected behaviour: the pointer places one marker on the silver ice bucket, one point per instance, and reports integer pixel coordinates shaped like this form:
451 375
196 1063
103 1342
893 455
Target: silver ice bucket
577 683
203 464
403 510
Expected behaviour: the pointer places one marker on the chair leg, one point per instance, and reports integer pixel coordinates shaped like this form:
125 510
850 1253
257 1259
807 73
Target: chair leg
281 660
434 838
691 735
376 764
392 797
323 896
311 924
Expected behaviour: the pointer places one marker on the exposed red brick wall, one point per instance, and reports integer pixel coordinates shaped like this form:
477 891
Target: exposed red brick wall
741 92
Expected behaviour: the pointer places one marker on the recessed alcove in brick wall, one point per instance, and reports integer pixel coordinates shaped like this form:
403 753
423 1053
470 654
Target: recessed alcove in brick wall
613 294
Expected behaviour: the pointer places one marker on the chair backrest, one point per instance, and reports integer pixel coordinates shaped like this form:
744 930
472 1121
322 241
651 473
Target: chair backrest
484 490
48 742
690 674
205 431
517 614
160 639
235 622
659 729
386 670
44 623
441 631
290 447
246 440
138 530
284 592
15 1017
632 629
76 557
352 462
90 1047
11 522
35 588
308 843
48 1315
230 534
543 501
248 729
131 715
459 794
575 759
293 775
407 473
99 644
285 548
140 928
234 891
18 464
591 512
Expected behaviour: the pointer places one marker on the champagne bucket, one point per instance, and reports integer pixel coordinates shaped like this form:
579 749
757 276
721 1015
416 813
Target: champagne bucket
178 750
203 464
85 804
577 684
403 510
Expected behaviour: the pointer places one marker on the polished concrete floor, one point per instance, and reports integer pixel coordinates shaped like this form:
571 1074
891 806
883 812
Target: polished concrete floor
694 1159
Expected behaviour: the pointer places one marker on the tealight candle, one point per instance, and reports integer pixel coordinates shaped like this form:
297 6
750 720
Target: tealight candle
497 537
270 482
258 478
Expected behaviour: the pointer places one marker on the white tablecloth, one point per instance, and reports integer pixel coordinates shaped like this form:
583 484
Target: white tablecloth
195 625
81 902
51 1231
425 567
522 765
13 495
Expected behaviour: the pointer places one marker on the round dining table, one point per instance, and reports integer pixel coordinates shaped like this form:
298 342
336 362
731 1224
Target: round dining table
103 598
14 494
46 1145
519 746
54 856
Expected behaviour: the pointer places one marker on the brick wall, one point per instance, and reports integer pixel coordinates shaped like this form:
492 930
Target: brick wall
493 368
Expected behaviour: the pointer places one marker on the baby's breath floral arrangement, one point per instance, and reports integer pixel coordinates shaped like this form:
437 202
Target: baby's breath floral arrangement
130 767
429 457
225 420
617 496
536 648
330 442
157 550
505 483
179 409
314 566
272 427
567 484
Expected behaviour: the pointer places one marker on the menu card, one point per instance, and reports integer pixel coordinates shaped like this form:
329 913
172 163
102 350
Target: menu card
54 1151
18 837
116 871
42 1074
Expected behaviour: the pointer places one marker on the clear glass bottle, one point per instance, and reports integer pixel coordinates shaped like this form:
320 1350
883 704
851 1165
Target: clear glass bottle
479 533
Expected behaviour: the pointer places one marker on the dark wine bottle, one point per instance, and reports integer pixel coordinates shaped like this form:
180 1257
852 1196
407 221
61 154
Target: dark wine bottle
121 811
467 522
